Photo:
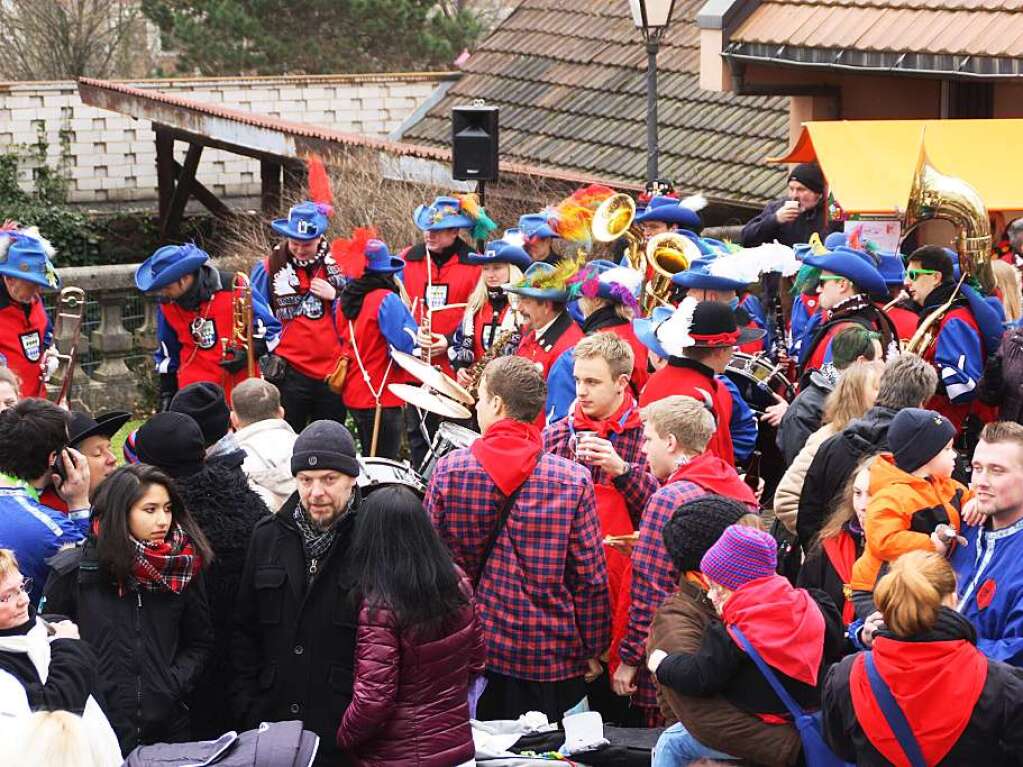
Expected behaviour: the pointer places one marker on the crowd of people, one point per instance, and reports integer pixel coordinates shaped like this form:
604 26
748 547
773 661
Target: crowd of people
799 566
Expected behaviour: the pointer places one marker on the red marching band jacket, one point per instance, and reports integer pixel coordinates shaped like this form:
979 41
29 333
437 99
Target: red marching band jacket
451 283
691 379
486 327
560 335
374 353
24 336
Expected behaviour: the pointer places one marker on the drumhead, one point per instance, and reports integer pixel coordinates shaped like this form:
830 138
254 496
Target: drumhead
375 473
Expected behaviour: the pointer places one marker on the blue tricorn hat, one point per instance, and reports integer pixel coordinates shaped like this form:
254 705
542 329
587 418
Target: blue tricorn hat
536 225
442 213
502 251
169 264
669 211
892 269
855 265
537 272
698 276
306 221
380 260
646 329
27 258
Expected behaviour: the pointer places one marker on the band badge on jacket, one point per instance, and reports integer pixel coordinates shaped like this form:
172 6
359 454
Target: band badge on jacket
436 296
204 333
312 307
31 345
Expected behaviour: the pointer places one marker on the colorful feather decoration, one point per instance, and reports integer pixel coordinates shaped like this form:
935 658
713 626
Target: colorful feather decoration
320 190
572 217
673 333
350 254
747 264
695 202
470 206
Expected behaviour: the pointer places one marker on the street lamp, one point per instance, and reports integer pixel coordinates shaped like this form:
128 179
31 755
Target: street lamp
652 18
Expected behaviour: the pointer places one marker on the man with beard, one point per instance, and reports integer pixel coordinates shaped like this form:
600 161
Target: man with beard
989 569
294 640
792 220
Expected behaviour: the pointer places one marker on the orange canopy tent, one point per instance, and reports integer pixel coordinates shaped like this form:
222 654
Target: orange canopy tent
869 164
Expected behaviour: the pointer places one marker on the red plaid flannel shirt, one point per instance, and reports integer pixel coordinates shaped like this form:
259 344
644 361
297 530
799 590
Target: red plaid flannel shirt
636 487
654 579
543 600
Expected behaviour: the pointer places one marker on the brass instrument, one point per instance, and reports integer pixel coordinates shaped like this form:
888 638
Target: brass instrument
242 320
613 219
934 195
668 254
475 370
70 308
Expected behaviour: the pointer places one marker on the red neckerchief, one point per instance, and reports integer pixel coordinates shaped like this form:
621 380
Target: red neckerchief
624 418
168 565
841 552
782 623
924 677
508 452
715 476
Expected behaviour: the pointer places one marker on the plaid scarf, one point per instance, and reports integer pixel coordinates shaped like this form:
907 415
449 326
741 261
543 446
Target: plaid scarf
315 541
169 564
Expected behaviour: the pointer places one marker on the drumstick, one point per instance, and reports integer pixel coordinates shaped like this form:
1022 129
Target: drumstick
376 431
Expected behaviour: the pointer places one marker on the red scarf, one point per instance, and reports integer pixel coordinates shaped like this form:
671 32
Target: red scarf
508 452
782 623
841 552
625 417
168 565
936 684
715 476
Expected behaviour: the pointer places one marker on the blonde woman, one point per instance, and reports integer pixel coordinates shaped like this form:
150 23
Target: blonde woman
1009 288
488 312
854 395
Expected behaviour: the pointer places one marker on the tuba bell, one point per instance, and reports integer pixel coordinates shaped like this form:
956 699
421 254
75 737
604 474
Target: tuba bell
613 219
668 254
934 195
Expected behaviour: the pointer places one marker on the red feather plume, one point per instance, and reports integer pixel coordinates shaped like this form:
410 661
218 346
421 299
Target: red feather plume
350 254
319 183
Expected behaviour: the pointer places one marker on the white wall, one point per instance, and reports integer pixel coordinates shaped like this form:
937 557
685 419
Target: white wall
114 156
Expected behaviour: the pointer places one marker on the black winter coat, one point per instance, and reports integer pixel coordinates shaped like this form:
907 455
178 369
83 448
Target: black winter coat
227 510
993 736
765 227
817 572
832 466
804 416
723 668
152 645
294 642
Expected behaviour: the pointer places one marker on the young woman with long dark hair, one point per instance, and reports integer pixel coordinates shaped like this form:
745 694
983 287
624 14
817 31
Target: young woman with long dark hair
418 644
136 593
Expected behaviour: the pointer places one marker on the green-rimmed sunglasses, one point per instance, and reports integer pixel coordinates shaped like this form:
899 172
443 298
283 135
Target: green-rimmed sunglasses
831 278
914 274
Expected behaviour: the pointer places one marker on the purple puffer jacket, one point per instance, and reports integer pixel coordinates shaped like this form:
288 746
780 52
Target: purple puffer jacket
409 703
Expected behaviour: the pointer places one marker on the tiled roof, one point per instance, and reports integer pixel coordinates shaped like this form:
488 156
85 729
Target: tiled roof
569 78
987 28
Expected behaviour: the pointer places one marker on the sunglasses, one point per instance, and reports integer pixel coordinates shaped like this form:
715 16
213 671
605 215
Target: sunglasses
831 278
915 274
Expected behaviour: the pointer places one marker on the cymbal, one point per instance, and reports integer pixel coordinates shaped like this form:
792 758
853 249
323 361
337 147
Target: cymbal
431 401
432 377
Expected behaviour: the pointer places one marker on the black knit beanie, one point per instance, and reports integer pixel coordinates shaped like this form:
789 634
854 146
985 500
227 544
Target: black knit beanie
809 175
205 402
325 445
696 526
172 442
915 436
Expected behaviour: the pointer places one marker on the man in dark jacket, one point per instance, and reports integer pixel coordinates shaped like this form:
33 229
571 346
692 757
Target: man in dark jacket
907 381
799 215
294 640
803 417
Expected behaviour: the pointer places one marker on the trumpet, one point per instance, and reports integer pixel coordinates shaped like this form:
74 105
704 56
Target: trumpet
612 219
668 254
242 330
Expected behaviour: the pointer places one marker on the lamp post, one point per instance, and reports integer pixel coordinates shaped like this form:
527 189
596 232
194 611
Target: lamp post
652 18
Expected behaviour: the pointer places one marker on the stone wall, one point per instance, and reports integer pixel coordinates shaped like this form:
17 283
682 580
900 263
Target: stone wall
113 157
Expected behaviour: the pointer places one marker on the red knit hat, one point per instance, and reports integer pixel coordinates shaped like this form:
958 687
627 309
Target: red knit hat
742 554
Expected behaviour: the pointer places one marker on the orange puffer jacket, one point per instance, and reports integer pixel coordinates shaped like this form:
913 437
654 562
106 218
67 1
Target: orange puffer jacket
902 513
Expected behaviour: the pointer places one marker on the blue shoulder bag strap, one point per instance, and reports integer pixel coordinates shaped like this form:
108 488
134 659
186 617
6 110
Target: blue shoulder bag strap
893 714
772 679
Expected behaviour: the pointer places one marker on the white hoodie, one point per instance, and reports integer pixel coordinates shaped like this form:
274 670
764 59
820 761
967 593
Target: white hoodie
268 446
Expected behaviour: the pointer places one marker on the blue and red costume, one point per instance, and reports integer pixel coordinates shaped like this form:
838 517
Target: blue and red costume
654 576
542 598
562 334
25 334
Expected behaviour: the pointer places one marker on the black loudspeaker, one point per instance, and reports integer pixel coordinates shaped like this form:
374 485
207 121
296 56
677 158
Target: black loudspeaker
474 143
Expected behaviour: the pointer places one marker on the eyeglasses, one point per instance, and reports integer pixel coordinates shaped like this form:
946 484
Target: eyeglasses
26 586
915 274
830 278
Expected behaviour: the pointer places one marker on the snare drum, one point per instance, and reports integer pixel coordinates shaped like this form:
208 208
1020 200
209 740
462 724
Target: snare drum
757 377
449 437
375 473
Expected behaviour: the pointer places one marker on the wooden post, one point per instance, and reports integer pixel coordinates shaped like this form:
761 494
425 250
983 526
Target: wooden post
164 170
270 178
182 191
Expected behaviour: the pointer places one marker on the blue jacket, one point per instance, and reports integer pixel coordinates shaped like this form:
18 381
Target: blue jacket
36 532
990 574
